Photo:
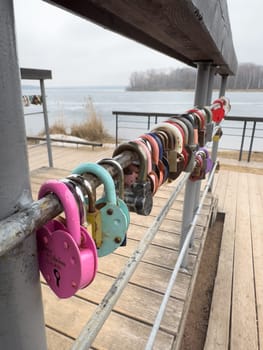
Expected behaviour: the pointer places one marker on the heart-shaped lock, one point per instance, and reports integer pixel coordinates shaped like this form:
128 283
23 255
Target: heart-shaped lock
66 253
113 219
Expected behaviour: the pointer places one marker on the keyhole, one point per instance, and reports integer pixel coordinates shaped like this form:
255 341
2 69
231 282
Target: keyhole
57 276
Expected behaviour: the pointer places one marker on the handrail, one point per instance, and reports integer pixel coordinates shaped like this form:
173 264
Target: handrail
178 263
15 228
155 115
93 326
87 143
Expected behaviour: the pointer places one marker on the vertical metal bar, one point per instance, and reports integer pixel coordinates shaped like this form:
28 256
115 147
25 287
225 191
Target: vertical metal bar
210 84
156 119
192 190
222 90
149 122
116 129
242 140
44 101
21 312
251 141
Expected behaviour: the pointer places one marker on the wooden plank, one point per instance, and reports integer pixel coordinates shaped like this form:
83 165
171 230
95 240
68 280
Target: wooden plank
220 189
119 332
57 340
256 221
146 275
133 300
243 324
217 337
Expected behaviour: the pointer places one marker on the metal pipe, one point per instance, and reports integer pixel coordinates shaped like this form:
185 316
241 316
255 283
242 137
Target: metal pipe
210 84
242 140
251 141
15 228
149 122
192 191
44 101
116 129
222 90
21 312
157 322
93 326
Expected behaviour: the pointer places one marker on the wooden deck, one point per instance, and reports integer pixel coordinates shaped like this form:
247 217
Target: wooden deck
236 318
239 283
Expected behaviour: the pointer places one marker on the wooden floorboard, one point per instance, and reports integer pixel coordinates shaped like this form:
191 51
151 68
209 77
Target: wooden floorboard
236 317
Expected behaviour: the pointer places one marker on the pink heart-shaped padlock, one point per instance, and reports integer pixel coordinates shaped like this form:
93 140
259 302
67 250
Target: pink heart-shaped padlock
67 254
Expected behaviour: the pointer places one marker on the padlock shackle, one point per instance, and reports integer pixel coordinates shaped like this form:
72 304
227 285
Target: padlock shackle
154 146
176 132
102 174
120 173
68 203
135 148
89 196
79 197
190 128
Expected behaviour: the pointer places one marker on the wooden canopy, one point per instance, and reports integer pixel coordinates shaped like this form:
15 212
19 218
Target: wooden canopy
188 30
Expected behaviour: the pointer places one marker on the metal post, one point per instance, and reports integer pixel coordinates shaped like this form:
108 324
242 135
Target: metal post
44 101
21 312
210 84
222 92
251 141
149 122
242 140
116 130
192 190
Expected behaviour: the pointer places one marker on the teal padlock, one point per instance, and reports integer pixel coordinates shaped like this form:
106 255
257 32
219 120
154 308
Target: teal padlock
119 188
113 219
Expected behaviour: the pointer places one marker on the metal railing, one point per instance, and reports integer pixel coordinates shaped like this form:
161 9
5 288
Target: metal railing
152 118
245 120
75 142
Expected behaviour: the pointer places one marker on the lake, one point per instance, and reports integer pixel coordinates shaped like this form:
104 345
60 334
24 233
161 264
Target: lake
69 105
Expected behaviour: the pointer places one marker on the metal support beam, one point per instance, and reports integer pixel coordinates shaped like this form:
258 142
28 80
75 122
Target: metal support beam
21 312
222 90
192 190
215 144
44 101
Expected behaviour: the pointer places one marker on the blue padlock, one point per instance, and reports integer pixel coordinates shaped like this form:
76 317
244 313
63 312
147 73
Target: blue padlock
113 219
119 188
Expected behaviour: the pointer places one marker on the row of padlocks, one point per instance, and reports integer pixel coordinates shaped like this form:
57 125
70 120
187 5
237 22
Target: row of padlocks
93 226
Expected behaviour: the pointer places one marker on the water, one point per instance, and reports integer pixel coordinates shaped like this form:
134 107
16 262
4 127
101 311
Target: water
69 106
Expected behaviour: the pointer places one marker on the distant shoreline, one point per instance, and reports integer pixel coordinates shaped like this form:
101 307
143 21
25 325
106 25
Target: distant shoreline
191 90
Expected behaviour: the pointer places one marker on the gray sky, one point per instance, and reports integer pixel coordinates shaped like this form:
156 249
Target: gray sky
81 53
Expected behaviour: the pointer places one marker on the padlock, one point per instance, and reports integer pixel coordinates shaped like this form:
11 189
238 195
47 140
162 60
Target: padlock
152 176
218 134
209 124
155 156
200 117
66 253
119 190
197 171
92 214
218 111
138 195
113 219
209 162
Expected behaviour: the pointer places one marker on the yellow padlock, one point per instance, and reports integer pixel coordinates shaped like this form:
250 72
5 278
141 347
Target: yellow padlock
93 215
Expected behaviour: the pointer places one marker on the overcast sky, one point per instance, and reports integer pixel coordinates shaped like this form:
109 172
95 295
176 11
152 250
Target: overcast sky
81 53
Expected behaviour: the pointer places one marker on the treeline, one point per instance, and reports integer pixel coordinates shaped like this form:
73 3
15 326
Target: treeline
248 76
